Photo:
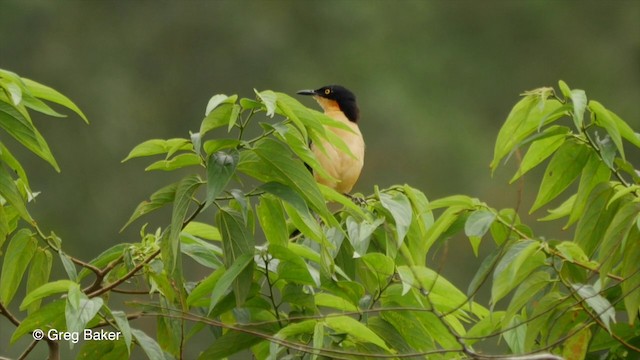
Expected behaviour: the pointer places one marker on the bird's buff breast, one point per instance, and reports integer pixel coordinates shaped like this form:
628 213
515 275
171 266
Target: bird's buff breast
339 164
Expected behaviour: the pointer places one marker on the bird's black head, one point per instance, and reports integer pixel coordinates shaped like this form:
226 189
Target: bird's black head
346 99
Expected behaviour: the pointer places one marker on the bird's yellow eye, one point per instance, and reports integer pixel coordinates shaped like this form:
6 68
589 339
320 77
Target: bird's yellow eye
327 91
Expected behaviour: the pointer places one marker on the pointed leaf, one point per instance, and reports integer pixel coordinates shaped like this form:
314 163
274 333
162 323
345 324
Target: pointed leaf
50 288
158 199
579 100
605 120
39 271
9 192
293 174
50 315
594 172
148 345
230 276
272 220
184 195
44 92
356 329
220 168
601 306
221 116
400 208
518 262
238 243
564 168
522 121
550 140
159 146
479 222
177 162
21 249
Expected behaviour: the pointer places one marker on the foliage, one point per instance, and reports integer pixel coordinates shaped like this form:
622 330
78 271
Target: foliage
289 276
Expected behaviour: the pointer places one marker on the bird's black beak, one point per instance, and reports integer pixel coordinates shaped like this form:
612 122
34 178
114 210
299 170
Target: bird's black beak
306 92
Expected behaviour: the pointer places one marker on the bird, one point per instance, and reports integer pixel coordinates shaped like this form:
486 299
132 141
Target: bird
340 104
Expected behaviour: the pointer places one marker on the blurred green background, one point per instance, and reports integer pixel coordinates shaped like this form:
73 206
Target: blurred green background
434 80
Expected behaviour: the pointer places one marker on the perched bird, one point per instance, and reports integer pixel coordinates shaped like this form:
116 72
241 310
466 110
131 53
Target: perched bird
339 104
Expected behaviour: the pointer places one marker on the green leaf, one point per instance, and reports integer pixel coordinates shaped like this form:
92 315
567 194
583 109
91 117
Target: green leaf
577 346
594 172
525 293
360 234
525 118
238 244
563 210
334 302
579 100
292 267
184 195
376 271
479 222
318 339
177 162
400 208
120 318
573 252
297 328
44 92
292 173
39 271
268 98
202 230
13 163
77 317
201 251
218 99
442 224
565 166
564 89
604 119
148 345
221 116
200 296
228 344
158 199
616 236
9 191
231 276
516 335
21 249
518 262
629 271
220 168
421 221
213 146
292 137
69 266
596 218
50 316
50 288
333 196
104 350
625 130
272 220
13 89
355 329
297 209
459 201
548 142
159 146
601 306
